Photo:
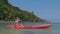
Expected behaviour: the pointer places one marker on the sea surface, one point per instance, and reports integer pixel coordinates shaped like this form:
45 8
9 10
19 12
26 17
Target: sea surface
55 29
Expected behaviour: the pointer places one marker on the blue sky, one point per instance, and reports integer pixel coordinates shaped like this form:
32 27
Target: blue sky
45 9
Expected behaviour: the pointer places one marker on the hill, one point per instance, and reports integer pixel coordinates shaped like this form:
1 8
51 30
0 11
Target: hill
9 12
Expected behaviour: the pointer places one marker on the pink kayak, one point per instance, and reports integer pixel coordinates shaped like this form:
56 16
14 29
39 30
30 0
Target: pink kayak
30 27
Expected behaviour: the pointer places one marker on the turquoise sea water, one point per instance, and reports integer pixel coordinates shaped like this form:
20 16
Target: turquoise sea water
55 29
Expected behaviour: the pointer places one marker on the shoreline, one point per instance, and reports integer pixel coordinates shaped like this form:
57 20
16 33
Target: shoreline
6 21
22 21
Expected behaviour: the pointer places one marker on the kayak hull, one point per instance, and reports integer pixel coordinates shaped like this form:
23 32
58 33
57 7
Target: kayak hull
30 27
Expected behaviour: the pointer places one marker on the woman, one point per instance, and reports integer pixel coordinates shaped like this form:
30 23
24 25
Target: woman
17 22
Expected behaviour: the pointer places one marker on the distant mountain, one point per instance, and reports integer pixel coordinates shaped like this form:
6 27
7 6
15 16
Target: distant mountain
9 12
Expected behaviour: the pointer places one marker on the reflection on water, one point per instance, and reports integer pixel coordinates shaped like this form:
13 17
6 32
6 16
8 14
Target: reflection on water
37 31
28 32
25 31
